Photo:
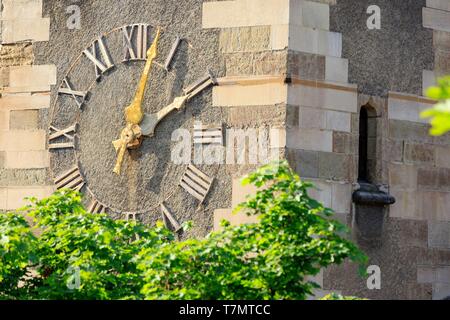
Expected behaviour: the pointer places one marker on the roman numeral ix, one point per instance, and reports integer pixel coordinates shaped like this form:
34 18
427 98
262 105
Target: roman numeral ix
55 134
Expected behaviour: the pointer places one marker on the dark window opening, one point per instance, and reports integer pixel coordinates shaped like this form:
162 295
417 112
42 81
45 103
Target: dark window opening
363 145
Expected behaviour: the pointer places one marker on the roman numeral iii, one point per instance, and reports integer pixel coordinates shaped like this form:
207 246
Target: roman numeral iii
71 179
55 134
135 41
196 183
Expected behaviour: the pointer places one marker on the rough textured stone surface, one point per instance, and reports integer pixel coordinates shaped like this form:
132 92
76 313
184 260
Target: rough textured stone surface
306 65
408 240
401 34
16 55
245 39
258 63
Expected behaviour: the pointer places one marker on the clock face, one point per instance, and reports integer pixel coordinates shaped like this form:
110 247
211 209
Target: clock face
119 145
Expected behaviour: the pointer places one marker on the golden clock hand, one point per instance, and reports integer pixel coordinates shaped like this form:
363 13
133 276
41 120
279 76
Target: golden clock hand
134 113
129 138
150 121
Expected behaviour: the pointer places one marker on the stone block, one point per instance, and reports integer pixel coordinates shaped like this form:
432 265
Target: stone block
310 139
34 29
22 140
428 80
441 291
419 153
443 157
408 205
321 97
321 192
435 205
4 119
336 69
19 54
403 177
311 40
439 4
393 150
337 167
436 19
426 274
27 159
258 116
315 15
32 76
240 193
312 118
249 95
441 40
409 131
439 234
25 102
305 163
341 201
292 116
24 119
444 179
270 63
234 218
20 9
277 138
247 39
12 198
345 143
306 65
338 121
407 110
245 13
441 62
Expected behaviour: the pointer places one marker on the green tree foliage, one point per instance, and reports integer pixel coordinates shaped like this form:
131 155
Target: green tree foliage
272 259
440 114
115 259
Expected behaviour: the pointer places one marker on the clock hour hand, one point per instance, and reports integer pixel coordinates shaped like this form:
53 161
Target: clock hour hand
150 121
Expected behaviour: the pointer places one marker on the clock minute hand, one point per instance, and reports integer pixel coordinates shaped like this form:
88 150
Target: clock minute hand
150 121
134 113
